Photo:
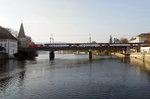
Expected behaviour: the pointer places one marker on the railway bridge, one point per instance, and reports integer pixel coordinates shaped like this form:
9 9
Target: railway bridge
125 47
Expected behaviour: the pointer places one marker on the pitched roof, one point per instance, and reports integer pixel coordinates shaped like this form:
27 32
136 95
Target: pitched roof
5 34
21 32
144 34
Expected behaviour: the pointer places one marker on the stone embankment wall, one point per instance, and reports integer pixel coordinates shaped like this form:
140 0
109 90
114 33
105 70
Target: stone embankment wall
141 56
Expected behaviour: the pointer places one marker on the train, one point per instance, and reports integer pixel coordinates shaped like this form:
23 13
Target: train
49 45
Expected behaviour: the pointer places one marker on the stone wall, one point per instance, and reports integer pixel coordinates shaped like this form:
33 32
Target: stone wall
141 56
147 57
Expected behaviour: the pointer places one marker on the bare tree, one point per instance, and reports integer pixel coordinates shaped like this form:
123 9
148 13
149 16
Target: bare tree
13 32
110 40
124 40
116 40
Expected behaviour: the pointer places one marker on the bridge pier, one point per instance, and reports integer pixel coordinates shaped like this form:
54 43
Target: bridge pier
90 55
127 51
52 55
138 49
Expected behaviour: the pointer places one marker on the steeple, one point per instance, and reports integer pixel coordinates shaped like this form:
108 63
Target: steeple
21 32
22 37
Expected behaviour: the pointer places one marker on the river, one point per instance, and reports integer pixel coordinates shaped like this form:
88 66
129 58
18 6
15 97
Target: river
74 77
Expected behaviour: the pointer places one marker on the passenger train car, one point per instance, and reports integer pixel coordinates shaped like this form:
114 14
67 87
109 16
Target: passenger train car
48 45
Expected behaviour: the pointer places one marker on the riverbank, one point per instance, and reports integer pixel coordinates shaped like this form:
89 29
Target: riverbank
141 56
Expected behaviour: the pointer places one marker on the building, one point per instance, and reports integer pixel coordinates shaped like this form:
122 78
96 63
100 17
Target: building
8 42
145 49
22 37
142 38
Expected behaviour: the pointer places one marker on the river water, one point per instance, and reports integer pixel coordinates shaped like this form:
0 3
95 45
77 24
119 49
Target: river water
74 77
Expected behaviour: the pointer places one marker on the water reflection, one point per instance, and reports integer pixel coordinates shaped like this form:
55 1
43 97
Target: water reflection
12 72
57 63
125 60
141 66
70 76
7 65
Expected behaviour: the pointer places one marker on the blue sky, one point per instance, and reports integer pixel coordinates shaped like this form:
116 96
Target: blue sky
74 20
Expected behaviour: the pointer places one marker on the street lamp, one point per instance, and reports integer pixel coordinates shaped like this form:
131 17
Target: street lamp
89 38
51 39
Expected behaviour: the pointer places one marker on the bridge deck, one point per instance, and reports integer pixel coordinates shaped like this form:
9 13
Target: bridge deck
81 46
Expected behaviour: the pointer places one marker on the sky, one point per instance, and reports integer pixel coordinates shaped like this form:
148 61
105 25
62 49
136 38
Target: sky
74 20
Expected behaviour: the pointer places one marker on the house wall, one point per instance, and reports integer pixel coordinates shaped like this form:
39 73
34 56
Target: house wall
11 46
143 39
137 40
145 49
3 43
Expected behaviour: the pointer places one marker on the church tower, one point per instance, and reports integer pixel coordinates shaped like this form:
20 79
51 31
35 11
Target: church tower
22 37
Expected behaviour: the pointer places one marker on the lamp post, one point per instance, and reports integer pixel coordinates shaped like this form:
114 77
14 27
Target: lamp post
51 39
89 38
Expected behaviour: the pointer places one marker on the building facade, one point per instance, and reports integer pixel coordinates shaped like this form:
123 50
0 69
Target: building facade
9 42
145 49
142 38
